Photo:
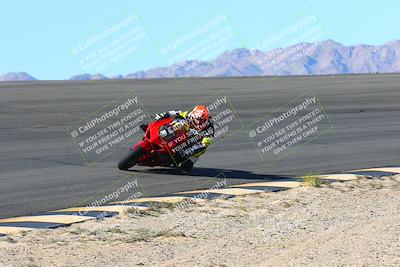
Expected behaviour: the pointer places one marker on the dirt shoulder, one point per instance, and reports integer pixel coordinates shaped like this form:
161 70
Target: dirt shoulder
354 223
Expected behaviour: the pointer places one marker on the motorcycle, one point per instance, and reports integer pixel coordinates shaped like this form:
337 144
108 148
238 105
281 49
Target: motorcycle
158 147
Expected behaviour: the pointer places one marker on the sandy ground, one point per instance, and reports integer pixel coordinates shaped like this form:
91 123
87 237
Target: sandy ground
355 223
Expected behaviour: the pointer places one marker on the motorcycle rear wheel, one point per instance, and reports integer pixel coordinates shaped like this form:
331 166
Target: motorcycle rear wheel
187 165
130 160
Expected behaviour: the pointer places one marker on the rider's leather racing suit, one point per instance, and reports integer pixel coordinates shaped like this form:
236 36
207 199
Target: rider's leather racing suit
199 139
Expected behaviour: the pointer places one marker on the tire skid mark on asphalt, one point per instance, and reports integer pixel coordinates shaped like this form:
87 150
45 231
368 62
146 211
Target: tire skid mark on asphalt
65 217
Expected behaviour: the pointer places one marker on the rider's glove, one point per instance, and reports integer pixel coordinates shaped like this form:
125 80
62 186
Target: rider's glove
158 116
172 113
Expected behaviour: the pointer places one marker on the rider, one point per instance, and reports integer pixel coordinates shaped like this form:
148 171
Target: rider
198 124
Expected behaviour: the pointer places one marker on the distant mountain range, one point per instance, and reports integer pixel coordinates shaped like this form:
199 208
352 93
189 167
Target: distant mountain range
325 57
16 76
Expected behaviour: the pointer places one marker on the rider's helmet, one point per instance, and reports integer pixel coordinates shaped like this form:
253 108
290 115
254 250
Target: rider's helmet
199 117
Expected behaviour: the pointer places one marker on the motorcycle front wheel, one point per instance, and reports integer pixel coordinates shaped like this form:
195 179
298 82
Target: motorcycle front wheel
130 160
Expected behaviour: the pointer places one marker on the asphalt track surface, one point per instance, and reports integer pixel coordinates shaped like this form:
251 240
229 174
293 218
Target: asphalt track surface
41 168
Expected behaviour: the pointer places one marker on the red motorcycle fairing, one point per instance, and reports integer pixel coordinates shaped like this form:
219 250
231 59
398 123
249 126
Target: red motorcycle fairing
159 152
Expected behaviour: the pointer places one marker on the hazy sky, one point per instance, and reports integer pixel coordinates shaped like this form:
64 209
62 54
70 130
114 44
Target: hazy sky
38 36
